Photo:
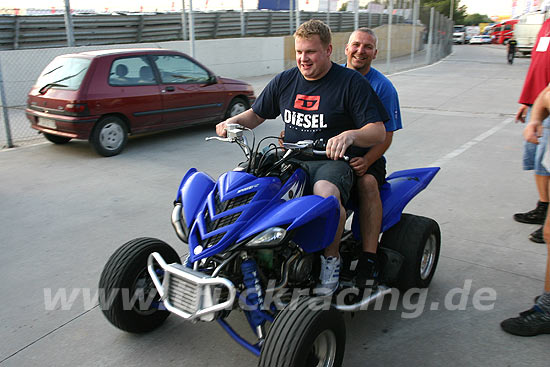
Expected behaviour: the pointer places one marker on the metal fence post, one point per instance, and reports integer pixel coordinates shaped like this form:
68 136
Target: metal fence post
370 19
356 14
191 29
290 20
16 33
69 29
388 51
242 19
9 142
430 37
297 14
328 13
183 21
413 40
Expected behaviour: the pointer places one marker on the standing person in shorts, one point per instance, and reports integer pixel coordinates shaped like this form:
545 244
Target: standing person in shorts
319 99
538 77
536 320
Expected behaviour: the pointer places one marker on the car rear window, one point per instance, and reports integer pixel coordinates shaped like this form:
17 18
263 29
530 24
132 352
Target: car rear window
131 71
64 73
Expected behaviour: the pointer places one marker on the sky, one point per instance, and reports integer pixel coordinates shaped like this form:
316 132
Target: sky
488 7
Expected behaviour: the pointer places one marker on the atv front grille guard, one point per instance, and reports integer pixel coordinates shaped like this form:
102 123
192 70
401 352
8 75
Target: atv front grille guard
187 293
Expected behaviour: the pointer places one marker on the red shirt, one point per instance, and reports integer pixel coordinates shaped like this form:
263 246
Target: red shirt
538 75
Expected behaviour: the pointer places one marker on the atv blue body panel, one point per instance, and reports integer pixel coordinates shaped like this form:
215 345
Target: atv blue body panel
400 187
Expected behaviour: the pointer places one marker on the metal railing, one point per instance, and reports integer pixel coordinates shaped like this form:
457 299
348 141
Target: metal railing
26 32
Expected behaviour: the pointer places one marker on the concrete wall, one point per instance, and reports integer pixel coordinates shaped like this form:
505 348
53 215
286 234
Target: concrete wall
232 57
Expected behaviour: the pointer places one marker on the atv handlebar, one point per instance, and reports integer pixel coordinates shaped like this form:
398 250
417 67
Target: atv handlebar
307 147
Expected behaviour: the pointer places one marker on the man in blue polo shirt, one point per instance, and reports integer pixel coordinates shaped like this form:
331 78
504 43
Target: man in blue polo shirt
370 169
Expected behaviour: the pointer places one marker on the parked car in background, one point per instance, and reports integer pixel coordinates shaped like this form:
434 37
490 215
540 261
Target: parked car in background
480 40
103 96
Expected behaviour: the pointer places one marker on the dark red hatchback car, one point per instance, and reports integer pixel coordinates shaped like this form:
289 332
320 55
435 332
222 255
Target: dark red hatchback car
105 95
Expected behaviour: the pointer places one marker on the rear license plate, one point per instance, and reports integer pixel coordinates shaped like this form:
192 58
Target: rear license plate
47 123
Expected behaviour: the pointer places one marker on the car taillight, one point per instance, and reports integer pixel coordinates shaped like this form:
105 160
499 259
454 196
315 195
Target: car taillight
76 108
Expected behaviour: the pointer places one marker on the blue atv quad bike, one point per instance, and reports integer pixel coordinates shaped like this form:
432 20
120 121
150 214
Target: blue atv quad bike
254 239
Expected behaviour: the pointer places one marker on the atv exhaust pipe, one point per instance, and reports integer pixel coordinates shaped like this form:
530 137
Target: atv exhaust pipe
380 292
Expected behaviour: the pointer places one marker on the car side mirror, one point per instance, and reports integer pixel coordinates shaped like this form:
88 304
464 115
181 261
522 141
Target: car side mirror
212 79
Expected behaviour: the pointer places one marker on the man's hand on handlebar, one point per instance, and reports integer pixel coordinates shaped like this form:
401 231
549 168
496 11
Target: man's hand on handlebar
337 145
221 129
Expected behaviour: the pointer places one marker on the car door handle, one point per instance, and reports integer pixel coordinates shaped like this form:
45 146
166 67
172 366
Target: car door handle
169 89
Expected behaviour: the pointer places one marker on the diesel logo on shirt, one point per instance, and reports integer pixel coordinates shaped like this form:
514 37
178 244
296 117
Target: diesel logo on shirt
307 103
307 121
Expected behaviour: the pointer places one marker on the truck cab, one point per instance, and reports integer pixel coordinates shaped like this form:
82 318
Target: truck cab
459 34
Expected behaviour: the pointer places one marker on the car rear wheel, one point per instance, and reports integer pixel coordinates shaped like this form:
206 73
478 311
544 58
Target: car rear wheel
56 139
109 136
238 105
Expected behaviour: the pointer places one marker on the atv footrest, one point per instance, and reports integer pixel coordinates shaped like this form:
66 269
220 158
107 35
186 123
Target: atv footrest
187 293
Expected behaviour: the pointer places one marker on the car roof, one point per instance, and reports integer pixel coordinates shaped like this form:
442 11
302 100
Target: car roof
122 51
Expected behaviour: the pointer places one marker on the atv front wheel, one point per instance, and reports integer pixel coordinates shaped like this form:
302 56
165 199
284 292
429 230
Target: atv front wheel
307 333
128 297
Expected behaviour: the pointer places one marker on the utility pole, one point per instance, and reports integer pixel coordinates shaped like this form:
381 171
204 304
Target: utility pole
452 10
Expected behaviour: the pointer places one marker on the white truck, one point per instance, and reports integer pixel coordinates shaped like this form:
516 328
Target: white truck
471 31
459 34
525 32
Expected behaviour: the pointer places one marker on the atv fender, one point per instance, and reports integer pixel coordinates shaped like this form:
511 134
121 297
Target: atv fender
194 188
313 219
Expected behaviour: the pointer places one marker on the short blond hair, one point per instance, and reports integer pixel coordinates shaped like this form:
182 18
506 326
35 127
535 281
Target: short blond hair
314 27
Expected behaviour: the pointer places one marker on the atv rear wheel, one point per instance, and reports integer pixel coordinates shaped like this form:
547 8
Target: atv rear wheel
418 239
308 332
129 300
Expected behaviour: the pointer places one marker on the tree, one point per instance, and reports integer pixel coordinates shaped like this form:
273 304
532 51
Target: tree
444 6
476 18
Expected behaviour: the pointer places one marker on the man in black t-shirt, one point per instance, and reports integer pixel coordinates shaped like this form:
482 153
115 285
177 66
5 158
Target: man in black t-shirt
320 99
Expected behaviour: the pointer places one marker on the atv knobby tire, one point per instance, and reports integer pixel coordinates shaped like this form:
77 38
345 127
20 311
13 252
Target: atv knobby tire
123 275
418 239
306 332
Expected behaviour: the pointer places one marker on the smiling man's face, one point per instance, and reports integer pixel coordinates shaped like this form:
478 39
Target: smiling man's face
360 51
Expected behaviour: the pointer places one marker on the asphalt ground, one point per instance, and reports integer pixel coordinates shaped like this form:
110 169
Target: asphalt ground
64 210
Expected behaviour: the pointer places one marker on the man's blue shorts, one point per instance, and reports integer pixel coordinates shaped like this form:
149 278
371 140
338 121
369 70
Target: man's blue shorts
533 153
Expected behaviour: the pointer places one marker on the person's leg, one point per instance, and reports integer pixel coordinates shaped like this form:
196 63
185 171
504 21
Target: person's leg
325 189
546 231
370 220
537 215
536 320
370 210
542 187
542 179
331 178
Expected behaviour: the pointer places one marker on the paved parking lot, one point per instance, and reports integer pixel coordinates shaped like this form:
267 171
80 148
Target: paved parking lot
64 210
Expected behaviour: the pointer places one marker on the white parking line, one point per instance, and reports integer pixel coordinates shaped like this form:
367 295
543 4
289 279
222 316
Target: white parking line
464 147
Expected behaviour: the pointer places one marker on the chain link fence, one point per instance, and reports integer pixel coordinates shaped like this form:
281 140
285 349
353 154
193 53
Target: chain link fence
407 39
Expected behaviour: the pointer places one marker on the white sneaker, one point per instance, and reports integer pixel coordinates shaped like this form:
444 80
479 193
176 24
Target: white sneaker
330 273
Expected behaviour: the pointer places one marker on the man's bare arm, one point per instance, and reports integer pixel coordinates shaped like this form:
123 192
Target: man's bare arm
539 111
360 165
247 119
367 136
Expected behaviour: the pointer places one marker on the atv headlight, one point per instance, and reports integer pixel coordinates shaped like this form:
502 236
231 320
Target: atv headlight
269 238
